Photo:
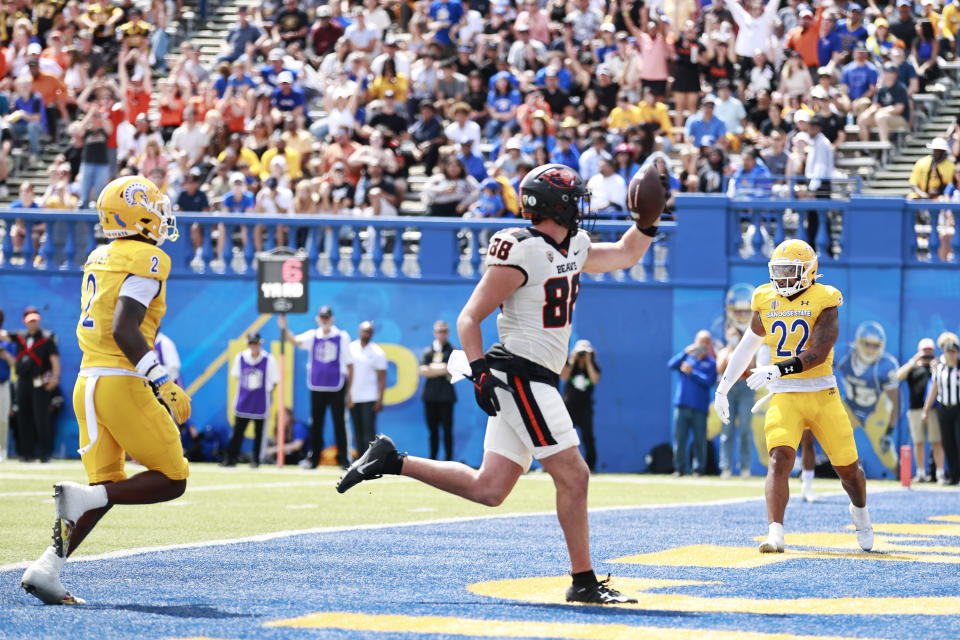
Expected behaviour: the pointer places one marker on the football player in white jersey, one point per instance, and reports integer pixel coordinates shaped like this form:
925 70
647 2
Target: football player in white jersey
533 277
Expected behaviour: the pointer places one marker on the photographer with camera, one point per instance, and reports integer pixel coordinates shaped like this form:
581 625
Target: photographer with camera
580 374
916 372
697 367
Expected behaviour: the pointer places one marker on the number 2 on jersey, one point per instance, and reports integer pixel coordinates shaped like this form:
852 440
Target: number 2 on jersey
89 291
561 296
780 327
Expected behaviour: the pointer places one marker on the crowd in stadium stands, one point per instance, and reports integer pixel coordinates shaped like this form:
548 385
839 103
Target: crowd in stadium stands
326 108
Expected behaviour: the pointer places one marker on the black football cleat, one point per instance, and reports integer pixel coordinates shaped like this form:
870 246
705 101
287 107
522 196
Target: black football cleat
370 465
598 593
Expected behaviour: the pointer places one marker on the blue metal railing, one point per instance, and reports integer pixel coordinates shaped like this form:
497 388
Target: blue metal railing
336 246
781 187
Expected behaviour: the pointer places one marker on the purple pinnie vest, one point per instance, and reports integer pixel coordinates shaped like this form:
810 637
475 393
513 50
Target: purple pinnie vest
324 371
252 401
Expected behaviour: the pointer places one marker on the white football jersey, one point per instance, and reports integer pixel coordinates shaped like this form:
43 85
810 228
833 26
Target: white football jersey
536 320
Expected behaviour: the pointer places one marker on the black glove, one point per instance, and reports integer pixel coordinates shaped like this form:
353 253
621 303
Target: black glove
485 385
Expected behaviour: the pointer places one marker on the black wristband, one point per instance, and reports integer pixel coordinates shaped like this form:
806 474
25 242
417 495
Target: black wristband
793 365
650 231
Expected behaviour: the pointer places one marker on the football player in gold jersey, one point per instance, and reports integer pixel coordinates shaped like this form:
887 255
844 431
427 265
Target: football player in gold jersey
798 319
124 397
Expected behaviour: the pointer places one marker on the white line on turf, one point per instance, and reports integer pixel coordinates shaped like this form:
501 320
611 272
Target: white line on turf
264 537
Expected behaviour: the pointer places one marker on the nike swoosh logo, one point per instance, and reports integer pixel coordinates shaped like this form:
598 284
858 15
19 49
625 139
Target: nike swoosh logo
577 251
363 468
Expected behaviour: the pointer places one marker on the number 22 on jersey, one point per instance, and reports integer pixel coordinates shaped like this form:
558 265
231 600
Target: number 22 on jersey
86 299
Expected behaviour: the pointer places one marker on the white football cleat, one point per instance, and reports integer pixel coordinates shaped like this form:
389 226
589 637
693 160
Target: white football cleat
861 520
42 580
808 494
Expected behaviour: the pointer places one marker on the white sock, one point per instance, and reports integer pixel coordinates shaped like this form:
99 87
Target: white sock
775 531
806 478
50 561
940 474
861 516
98 496
83 498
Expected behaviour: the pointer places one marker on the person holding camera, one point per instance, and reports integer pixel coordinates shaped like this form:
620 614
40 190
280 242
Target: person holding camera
917 372
580 374
698 372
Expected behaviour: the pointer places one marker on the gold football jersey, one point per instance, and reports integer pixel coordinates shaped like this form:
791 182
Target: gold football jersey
789 323
104 273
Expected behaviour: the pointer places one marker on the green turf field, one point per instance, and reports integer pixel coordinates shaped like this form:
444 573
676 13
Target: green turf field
232 503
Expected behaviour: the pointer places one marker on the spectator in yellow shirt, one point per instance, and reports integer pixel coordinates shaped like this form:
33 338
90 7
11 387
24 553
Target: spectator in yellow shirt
657 116
931 174
243 153
279 147
949 26
625 114
135 31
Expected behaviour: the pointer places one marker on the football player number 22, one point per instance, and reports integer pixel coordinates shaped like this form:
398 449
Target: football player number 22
89 291
780 328
561 296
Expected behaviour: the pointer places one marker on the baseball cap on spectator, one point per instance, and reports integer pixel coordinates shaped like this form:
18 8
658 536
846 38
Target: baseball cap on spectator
285 77
819 93
512 143
490 183
881 22
802 137
709 99
523 26
466 140
802 115
236 177
623 147
275 54
818 120
904 3
805 11
34 49
568 122
824 71
939 144
465 48
608 27
853 6
582 345
325 311
891 68
500 9
195 173
603 70
861 48
586 58
254 338
926 344
31 314
357 11
323 11
550 73
338 166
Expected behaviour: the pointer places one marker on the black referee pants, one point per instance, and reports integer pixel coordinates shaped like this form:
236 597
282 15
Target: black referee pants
236 441
582 418
950 433
34 426
439 416
319 401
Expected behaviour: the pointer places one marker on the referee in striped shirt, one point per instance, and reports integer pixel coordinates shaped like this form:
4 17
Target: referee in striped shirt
945 389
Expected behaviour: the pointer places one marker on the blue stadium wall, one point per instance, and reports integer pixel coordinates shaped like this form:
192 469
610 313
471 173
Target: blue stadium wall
635 329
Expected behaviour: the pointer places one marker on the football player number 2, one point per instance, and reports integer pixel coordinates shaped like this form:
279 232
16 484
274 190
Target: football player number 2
561 296
780 329
89 291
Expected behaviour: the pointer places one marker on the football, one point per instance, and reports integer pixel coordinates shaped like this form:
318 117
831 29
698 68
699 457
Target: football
646 196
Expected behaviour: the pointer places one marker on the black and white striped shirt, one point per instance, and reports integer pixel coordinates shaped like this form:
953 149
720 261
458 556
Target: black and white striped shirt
948 384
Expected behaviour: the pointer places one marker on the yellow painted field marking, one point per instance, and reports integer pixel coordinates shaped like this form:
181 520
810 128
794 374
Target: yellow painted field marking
394 624
549 590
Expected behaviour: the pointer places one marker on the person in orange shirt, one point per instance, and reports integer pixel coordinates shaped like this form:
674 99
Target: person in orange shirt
171 106
137 90
56 51
54 94
804 37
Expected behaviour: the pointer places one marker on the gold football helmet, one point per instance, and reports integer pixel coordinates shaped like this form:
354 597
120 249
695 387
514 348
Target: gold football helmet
132 206
793 267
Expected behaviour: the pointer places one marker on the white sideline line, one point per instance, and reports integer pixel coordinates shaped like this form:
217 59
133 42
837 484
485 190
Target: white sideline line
263 537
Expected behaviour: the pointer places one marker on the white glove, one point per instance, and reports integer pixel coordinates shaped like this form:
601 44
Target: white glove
760 406
762 376
722 406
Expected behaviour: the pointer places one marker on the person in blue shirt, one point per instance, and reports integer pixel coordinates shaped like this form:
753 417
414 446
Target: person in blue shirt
490 204
624 161
274 67
240 34
32 122
8 351
472 161
445 13
239 78
860 76
752 177
704 123
238 200
538 136
565 152
698 371
502 103
296 441
828 44
286 97
564 79
851 31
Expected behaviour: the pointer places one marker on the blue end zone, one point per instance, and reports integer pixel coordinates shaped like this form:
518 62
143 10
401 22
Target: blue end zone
232 591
